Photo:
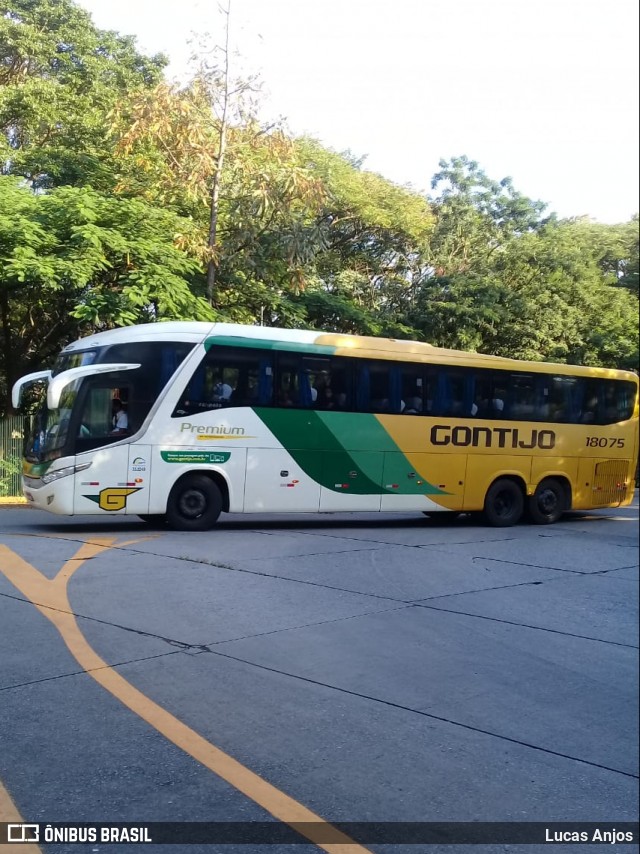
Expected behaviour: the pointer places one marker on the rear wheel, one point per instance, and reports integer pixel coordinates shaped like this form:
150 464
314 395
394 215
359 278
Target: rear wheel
548 502
194 504
504 504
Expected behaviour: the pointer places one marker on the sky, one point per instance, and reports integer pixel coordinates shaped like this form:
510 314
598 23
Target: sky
545 92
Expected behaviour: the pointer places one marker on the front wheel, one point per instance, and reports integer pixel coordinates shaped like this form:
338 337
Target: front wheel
194 504
504 504
548 502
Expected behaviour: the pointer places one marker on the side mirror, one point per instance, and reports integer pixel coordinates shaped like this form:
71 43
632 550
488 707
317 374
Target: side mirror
28 379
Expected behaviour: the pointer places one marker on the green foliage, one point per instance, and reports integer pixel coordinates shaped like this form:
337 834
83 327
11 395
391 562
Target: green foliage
59 78
11 441
10 470
127 171
76 260
545 298
476 216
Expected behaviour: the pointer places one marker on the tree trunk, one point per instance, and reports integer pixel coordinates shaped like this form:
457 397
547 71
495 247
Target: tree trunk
212 266
8 367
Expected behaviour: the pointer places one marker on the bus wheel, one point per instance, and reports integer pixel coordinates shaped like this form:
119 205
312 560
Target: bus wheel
504 504
194 504
548 502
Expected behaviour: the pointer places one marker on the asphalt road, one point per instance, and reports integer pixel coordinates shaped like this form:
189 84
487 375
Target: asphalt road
325 668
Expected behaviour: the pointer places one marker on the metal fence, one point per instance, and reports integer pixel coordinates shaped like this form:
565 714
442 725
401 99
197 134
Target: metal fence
12 430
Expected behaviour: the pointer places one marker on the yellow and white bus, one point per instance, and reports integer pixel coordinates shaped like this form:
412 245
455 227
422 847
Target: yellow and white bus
249 419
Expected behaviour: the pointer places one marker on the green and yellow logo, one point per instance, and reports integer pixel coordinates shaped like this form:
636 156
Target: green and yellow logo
113 498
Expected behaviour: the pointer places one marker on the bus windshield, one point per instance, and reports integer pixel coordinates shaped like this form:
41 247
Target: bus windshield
78 359
51 427
84 418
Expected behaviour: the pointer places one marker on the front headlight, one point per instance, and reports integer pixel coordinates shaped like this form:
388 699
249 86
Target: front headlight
64 472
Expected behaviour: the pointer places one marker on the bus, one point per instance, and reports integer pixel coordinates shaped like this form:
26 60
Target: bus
243 419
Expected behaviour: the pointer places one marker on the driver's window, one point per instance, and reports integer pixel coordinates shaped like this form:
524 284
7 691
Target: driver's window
98 414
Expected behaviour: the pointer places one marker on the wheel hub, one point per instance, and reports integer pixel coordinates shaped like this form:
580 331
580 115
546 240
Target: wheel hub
547 501
192 504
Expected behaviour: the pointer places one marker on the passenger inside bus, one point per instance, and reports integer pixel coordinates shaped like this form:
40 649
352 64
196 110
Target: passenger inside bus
480 406
119 420
222 392
325 398
610 405
590 410
284 398
497 403
413 406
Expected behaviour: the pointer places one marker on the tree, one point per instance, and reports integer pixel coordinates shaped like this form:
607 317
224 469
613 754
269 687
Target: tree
615 248
59 78
266 199
75 261
546 298
476 216
374 237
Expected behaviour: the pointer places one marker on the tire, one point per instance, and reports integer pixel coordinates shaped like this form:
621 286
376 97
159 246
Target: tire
443 517
194 504
548 502
504 504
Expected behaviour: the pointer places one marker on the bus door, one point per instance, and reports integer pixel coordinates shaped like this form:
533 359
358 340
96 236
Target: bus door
109 482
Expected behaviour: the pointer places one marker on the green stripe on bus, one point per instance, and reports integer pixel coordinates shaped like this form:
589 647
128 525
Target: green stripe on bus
301 432
344 451
262 344
366 433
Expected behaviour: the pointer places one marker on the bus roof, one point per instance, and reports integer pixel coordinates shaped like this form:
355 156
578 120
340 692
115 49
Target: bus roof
328 343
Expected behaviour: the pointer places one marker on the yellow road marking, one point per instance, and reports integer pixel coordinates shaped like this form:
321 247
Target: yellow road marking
51 598
9 813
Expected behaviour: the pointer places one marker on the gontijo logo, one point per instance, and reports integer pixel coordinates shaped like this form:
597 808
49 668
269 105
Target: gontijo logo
505 437
139 464
113 498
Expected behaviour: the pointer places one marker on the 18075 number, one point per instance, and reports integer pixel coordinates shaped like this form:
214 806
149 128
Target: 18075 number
603 442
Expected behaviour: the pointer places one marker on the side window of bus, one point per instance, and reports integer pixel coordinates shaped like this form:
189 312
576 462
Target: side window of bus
158 360
523 398
482 396
564 398
412 387
289 392
626 399
227 377
329 382
378 387
590 406
104 416
617 400
97 414
454 393
606 401
341 385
